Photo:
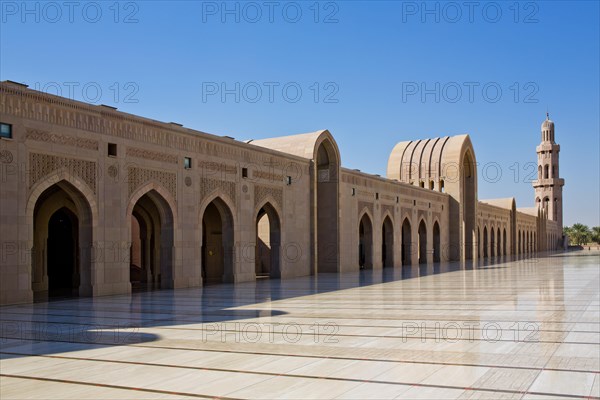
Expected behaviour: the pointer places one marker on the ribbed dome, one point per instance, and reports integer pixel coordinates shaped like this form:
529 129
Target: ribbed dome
548 123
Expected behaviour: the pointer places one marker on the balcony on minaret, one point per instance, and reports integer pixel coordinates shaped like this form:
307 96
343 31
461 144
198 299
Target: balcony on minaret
548 146
548 182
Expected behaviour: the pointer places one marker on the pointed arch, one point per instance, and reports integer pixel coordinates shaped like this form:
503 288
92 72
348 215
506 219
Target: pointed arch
387 241
365 241
217 240
268 241
406 241
485 242
422 242
158 208
62 211
437 248
492 241
498 242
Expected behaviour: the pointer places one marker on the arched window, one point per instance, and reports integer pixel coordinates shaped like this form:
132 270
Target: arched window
546 171
442 185
539 172
555 171
431 185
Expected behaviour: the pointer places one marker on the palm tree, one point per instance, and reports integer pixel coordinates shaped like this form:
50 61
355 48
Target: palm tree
579 233
596 234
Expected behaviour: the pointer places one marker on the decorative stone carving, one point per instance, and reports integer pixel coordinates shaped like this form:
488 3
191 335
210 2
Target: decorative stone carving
41 165
387 207
269 176
218 167
139 176
365 204
188 181
6 157
261 192
65 140
113 171
209 185
151 155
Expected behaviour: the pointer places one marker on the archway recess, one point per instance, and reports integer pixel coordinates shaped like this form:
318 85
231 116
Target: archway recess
152 241
217 243
365 244
268 242
387 243
62 243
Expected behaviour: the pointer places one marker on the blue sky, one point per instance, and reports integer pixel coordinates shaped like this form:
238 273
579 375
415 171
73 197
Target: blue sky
373 73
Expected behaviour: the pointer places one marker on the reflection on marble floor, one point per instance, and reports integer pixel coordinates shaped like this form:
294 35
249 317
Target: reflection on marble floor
525 329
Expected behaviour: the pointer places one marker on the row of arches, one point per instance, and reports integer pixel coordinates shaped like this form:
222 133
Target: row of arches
526 242
493 242
544 173
419 246
552 240
63 250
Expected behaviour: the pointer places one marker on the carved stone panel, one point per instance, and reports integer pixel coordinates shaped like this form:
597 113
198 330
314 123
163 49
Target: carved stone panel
65 140
209 185
41 165
151 155
365 204
140 176
261 192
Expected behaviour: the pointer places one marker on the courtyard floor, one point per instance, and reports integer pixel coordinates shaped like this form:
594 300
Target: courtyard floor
522 329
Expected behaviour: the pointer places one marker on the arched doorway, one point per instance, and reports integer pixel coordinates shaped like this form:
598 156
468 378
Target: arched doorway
469 205
62 240
152 241
498 243
478 242
268 240
217 243
504 242
519 250
436 242
327 243
365 243
485 242
422 242
406 242
387 243
63 257
492 241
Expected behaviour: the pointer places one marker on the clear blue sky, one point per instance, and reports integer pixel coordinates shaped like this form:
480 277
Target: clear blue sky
366 58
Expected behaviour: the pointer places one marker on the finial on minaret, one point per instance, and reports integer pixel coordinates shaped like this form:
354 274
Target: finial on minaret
547 115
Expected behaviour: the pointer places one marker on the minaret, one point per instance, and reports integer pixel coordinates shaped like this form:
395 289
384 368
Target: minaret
548 186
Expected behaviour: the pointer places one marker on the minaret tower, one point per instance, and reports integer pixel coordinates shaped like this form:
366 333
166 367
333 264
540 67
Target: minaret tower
548 186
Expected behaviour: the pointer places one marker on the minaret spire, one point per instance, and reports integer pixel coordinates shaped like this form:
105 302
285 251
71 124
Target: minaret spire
548 185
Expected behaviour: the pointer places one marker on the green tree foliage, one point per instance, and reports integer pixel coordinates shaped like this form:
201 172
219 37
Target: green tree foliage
596 234
579 234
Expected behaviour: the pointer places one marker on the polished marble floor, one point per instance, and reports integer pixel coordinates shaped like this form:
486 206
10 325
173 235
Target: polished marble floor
523 329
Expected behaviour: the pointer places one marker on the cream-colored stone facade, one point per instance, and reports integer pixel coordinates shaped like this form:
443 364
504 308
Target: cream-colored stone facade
94 202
